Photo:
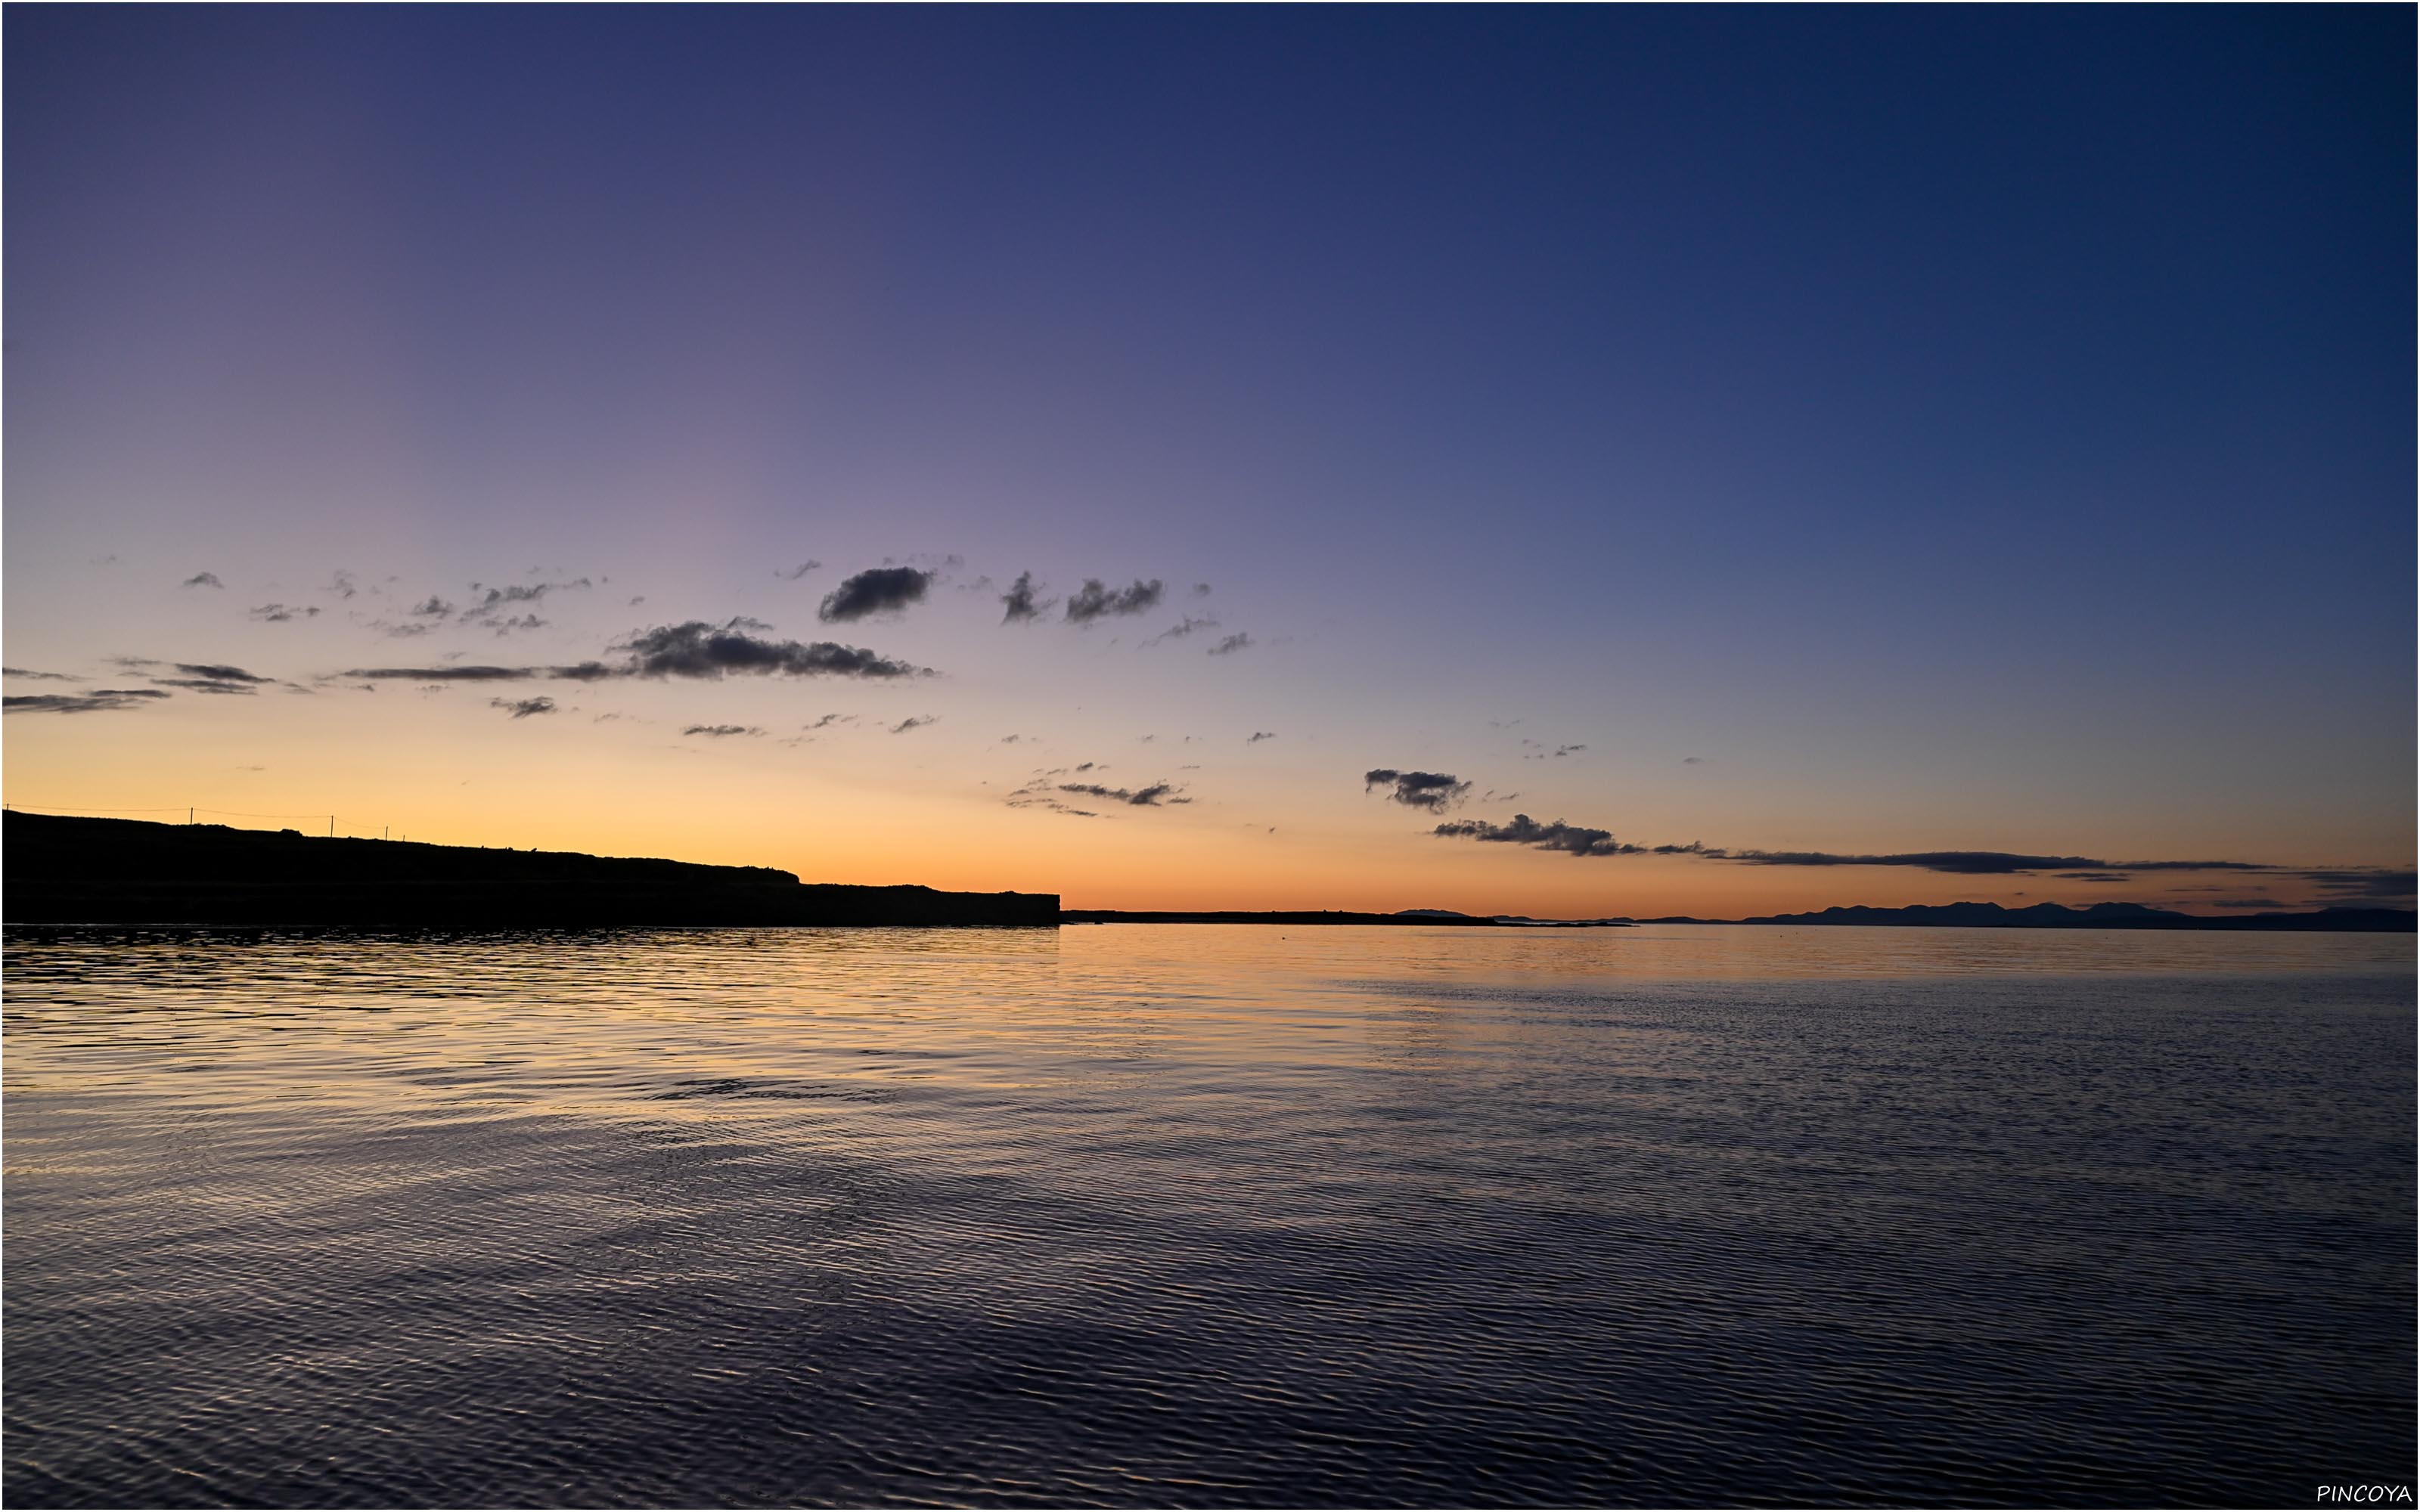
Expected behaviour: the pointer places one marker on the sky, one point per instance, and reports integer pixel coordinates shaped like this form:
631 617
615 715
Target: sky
1453 457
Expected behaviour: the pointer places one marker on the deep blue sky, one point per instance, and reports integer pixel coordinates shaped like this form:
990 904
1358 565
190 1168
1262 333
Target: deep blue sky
2003 403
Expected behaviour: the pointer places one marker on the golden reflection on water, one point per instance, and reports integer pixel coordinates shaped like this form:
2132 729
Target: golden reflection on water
1362 1215
709 1025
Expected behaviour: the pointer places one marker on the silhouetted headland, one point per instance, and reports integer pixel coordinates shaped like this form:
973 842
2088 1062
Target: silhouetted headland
2099 916
67 870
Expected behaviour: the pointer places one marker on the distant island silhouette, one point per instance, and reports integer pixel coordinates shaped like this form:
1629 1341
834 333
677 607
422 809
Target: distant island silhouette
1963 915
73 870
2099 916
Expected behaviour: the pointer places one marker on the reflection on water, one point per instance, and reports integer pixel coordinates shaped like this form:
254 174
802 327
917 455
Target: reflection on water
1160 1215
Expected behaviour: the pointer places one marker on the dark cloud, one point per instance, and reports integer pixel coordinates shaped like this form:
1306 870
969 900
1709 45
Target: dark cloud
1150 797
220 673
1010 740
1027 798
497 604
798 572
202 580
697 649
1566 751
1434 791
2364 886
2246 902
35 676
341 584
1178 631
206 684
586 671
1227 647
916 721
526 621
432 607
875 591
99 700
524 708
829 720
510 593
1200 590
1955 863
1976 863
1020 600
722 731
280 613
1574 839
1695 760
1093 600
1259 735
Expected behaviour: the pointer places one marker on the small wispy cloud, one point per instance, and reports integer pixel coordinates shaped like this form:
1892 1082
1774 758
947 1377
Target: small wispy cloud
1096 601
1148 797
1433 791
1021 601
524 708
722 731
1188 626
798 572
1238 642
202 580
914 722
100 700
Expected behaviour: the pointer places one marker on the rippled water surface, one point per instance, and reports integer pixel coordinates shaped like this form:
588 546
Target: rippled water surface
1207 1215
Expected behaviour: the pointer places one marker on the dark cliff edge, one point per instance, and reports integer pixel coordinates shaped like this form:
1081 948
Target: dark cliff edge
67 871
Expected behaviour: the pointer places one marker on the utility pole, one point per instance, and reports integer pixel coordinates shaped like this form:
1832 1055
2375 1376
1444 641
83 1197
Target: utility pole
331 827
189 819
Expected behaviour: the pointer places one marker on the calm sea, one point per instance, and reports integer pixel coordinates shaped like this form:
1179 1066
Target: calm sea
1138 1216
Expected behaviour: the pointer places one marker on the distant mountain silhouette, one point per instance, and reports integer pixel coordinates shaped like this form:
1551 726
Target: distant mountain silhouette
70 871
2099 916
1312 916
